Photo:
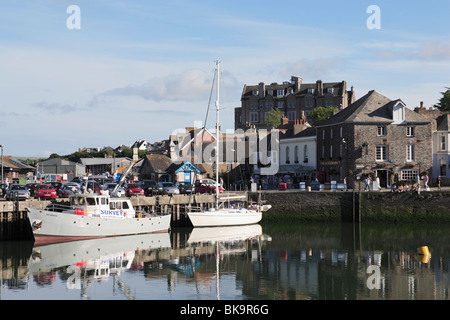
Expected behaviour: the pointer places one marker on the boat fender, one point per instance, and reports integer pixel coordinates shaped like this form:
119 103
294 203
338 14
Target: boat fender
80 212
37 224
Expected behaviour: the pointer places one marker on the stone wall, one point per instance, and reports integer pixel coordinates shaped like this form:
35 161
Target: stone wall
309 206
368 207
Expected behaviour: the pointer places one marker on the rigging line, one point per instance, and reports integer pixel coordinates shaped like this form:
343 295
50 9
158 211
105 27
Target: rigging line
209 101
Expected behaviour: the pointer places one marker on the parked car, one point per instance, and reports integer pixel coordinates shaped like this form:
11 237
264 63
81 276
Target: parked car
45 191
151 187
32 186
91 186
206 188
169 188
56 184
2 189
133 189
17 192
68 188
185 187
78 180
110 187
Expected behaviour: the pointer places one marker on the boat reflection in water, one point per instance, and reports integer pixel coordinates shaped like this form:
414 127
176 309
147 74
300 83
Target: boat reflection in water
227 241
86 260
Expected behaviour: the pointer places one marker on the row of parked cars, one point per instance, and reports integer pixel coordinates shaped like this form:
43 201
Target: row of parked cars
51 190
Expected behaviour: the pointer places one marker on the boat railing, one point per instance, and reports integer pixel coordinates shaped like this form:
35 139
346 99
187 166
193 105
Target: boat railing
58 207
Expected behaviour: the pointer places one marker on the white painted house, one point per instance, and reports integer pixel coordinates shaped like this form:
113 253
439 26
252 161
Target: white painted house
298 153
441 149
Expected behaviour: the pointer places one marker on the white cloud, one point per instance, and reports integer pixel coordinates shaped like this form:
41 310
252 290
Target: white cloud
189 85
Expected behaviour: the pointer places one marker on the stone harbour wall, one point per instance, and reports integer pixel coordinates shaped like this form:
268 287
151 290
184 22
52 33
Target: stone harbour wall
365 207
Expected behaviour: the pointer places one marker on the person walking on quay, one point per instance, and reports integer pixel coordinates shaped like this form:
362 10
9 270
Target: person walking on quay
367 188
439 183
427 188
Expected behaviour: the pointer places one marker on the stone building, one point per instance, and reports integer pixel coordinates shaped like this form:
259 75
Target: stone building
374 135
292 98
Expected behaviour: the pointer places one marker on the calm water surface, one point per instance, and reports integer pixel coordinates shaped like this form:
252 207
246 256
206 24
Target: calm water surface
280 262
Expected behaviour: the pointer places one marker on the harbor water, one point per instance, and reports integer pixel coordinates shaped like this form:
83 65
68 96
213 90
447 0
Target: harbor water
261 262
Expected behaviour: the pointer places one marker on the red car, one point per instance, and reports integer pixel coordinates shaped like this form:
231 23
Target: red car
206 188
133 189
45 191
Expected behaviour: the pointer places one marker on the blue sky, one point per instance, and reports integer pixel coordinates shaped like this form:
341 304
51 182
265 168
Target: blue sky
142 69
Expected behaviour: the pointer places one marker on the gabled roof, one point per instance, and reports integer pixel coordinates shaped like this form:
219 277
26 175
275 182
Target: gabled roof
186 166
372 108
15 164
158 163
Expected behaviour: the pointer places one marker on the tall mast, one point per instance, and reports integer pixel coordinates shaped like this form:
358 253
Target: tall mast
217 135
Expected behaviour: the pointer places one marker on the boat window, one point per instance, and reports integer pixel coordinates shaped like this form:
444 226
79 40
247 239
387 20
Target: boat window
77 201
112 205
118 205
125 205
103 200
90 201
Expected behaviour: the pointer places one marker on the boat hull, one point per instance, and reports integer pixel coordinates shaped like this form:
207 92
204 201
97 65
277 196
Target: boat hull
49 226
224 218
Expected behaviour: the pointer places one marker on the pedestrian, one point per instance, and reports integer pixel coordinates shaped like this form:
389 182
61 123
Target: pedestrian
367 188
439 182
427 188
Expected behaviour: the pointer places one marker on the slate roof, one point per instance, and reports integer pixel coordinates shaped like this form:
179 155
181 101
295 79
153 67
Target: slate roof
102 161
372 108
158 163
443 122
247 91
290 133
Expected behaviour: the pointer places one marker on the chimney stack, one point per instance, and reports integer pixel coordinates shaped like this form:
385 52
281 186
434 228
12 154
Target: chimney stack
262 90
297 82
319 87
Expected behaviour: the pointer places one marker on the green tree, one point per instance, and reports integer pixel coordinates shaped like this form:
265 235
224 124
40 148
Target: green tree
274 118
320 114
444 102
54 155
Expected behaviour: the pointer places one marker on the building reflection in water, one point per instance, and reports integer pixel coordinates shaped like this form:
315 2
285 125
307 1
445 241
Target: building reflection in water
324 262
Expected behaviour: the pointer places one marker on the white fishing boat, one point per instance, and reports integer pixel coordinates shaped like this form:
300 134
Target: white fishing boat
92 216
221 215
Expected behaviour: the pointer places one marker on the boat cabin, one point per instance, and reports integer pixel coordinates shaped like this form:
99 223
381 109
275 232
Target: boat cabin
102 206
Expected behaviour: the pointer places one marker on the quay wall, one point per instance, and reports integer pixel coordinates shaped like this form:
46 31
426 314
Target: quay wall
287 206
373 207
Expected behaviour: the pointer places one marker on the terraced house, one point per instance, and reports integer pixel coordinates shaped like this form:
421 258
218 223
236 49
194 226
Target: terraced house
374 135
293 98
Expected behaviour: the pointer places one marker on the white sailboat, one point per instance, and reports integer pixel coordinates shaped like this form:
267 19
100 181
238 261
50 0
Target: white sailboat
221 215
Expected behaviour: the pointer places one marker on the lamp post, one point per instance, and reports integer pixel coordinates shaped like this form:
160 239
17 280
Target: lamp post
1 146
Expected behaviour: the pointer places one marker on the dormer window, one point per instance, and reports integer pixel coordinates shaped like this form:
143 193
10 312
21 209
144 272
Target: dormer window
330 90
398 112
310 90
255 92
280 92
289 91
